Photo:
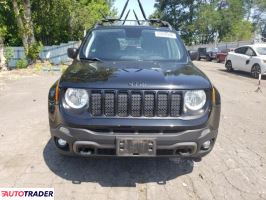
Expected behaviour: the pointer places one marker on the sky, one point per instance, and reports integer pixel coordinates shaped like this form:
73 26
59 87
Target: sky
148 6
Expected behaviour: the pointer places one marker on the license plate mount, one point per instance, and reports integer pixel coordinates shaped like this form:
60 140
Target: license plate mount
135 147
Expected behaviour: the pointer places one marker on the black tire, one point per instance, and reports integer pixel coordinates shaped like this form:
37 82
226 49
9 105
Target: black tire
208 58
229 66
255 71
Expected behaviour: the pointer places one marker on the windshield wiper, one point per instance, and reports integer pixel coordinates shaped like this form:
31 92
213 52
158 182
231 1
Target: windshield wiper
92 59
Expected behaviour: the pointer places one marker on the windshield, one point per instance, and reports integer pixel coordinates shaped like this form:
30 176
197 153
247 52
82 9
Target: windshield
133 44
261 50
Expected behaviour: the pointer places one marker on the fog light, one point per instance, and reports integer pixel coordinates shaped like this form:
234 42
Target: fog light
206 145
61 142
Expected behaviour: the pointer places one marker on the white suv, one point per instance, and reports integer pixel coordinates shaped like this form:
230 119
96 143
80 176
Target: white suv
249 58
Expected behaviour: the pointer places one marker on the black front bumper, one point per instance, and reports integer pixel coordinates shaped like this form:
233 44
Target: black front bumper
186 143
183 138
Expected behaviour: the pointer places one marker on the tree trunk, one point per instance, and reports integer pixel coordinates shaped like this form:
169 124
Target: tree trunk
28 21
2 58
22 31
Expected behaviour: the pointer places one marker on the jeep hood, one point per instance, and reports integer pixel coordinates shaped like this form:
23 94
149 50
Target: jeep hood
134 75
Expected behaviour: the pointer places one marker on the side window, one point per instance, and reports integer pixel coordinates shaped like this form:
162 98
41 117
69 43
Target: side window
238 50
250 52
241 50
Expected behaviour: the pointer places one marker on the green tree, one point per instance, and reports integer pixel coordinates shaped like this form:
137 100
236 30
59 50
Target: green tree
201 21
8 21
49 21
58 21
85 15
22 10
206 24
181 14
2 34
259 17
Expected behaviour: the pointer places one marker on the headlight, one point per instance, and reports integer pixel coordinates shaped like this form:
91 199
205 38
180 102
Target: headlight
195 100
76 98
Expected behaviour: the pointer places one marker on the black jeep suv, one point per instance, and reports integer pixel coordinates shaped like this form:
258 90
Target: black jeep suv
207 53
132 90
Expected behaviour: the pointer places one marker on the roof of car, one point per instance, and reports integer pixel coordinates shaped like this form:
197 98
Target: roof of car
133 26
256 45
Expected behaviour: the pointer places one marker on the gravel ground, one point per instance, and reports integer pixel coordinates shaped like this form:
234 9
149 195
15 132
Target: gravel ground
235 169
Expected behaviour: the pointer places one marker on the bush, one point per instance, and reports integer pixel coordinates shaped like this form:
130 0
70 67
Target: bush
38 67
22 64
8 54
63 68
34 50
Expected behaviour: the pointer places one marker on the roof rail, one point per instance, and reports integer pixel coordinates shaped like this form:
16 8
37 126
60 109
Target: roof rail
149 22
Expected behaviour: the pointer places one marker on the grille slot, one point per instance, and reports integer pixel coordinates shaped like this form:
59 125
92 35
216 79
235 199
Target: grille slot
109 103
96 104
122 104
149 105
175 105
136 103
162 108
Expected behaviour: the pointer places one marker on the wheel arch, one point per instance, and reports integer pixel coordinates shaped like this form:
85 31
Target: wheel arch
256 64
229 60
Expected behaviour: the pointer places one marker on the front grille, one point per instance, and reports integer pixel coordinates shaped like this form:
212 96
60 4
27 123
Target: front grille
135 103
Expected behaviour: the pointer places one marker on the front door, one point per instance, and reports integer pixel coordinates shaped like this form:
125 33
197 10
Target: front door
240 58
249 55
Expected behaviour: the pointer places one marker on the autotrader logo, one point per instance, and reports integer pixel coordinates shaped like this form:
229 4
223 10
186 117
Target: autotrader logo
27 193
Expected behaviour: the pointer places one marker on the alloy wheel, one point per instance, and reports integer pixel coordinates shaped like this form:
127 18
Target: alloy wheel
255 71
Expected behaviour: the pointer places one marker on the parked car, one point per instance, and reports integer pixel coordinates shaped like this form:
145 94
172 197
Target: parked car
249 58
132 90
207 53
221 55
193 54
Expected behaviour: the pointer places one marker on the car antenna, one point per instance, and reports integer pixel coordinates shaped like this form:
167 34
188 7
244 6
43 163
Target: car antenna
126 17
136 17
123 11
142 10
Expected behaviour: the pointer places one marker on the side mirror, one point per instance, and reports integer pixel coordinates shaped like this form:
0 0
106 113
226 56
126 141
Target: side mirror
72 52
